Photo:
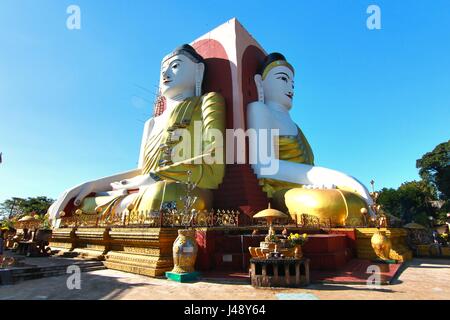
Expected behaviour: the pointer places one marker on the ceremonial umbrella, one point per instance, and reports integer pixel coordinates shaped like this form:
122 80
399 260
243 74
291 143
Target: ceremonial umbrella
28 222
270 214
413 225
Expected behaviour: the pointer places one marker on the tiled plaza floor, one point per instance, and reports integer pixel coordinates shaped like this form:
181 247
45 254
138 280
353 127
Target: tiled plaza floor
421 279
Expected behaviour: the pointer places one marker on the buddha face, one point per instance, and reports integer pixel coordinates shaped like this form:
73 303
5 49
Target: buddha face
278 86
179 75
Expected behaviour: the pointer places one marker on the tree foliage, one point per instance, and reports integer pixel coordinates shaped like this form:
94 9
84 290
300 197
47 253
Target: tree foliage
434 167
410 202
17 207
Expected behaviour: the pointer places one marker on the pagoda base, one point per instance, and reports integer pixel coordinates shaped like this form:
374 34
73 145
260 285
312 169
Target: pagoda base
141 250
146 265
62 241
144 251
91 243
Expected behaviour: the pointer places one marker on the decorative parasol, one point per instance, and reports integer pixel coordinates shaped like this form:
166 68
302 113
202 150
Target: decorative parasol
270 214
27 222
413 225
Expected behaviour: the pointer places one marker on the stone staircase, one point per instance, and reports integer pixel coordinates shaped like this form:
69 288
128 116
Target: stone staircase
14 275
141 250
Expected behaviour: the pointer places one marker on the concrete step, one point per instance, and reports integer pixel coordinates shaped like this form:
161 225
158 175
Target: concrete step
12 276
48 273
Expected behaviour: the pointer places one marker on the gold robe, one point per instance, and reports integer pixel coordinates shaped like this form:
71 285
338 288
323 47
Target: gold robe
290 148
208 112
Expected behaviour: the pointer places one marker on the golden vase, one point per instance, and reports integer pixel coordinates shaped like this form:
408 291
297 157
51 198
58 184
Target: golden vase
298 252
184 251
381 244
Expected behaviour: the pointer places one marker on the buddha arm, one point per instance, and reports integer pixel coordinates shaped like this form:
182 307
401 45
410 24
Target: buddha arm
206 174
103 184
132 179
313 175
138 180
81 191
267 165
147 132
109 183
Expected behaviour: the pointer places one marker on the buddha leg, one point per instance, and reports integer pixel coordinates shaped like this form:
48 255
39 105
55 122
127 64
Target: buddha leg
89 204
111 208
146 200
169 191
335 206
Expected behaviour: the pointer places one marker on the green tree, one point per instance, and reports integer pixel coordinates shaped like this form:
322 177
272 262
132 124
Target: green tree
434 168
389 200
18 206
11 208
410 202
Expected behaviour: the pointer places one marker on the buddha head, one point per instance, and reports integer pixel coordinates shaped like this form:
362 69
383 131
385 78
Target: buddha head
182 73
275 81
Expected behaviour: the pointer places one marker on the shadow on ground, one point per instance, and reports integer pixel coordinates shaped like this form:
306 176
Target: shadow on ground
337 287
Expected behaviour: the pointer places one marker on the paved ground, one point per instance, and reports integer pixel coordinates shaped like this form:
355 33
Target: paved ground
421 279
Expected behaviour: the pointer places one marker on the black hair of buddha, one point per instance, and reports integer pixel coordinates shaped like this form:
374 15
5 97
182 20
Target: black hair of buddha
186 48
274 56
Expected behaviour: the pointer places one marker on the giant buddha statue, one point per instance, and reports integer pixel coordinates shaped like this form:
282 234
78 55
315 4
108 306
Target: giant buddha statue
177 146
297 185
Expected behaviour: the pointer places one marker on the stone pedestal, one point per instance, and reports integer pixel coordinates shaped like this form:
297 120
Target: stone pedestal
288 272
182 277
92 243
399 250
146 251
63 240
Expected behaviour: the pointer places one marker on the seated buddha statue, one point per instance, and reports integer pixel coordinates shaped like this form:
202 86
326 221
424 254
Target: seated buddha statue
172 150
297 186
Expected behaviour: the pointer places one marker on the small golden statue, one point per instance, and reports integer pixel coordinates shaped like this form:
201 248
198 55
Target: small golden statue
381 244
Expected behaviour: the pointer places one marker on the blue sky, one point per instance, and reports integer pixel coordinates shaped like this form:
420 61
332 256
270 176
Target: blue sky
72 103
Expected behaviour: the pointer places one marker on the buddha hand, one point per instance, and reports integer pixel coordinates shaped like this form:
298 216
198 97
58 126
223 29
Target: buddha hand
78 193
133 183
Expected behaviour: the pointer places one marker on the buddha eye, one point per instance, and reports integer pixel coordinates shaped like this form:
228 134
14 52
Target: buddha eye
175 66
283 78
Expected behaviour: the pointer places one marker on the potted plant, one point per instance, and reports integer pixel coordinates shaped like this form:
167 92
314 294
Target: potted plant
297 241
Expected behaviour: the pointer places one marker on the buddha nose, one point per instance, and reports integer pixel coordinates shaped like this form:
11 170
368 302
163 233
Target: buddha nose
164 74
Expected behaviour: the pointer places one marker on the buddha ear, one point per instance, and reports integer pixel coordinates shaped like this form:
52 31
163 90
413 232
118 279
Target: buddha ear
259 87
199 74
